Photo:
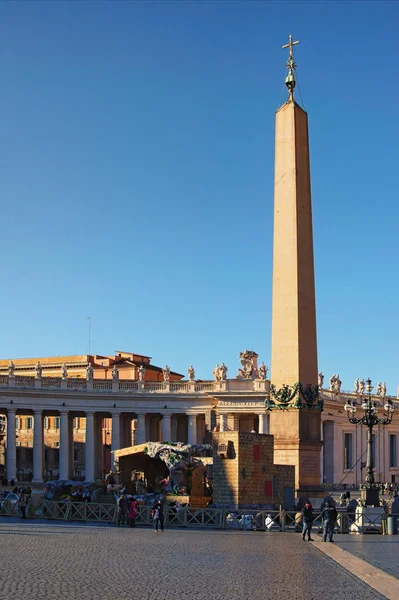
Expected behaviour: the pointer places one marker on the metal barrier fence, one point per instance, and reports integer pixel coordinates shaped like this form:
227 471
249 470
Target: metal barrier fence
209 518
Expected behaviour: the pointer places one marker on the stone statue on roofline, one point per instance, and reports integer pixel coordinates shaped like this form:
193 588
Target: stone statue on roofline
383 390
222 372
141 372
115 373
191 373
64 371
262 372
356 385
166 373
332 382
39 370
89 372
362 386
378 388
11 369
249 365
335 383
321 379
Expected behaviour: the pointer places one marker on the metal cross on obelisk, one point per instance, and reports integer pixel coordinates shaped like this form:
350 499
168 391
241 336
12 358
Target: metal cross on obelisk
291 66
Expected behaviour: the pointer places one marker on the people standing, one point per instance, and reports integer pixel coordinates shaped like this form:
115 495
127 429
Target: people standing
329 516
307 520
132 513
122 509
157 513
23 501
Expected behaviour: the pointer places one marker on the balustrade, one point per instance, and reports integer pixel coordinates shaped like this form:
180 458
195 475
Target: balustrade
127 386
107 385
24 382
75 384
101 385
51 382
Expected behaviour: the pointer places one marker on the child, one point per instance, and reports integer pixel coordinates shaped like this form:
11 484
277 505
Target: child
132 513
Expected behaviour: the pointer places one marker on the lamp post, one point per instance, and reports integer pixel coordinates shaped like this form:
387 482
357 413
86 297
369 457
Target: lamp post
369 489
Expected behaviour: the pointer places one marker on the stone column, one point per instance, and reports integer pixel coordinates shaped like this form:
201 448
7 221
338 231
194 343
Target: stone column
200 429
38 446
192 429
263 423
173 428
166 428
222 422
90 448
65 451
141 428
126 431
115 436
101 456
11 446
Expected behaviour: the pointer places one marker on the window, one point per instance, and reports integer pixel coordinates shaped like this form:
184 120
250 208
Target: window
392 451
17 422
348 451
29 422
56 422
76 423
46 423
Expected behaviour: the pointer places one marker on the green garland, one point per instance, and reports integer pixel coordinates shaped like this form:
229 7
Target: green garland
296 396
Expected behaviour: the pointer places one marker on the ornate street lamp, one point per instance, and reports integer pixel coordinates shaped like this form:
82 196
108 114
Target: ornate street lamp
369 489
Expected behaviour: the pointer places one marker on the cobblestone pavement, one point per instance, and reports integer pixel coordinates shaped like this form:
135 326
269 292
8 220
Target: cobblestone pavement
56 561
382 551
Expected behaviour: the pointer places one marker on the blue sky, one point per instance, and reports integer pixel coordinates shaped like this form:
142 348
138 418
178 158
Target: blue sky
136 154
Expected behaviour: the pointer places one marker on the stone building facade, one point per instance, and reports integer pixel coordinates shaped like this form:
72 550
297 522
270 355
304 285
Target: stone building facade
127 364
55 427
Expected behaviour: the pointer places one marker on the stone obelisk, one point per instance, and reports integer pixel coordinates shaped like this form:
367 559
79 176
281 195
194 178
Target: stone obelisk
294 345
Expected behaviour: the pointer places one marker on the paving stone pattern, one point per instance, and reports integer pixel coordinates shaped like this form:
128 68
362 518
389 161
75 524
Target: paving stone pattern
56 561
380 551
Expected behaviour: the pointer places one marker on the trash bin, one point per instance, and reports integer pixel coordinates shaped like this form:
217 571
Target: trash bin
392 525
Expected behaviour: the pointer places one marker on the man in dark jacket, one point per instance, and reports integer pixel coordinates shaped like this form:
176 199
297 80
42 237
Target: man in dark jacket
157 513
307 520
329 516
122 509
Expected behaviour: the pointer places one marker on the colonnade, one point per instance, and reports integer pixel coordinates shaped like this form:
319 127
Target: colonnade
185 427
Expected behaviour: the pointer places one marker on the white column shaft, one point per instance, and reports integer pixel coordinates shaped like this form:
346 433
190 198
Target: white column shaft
90 448
65 451
222 422
192 429
38 446
115 436
166 428
141 428
11 446
262 423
